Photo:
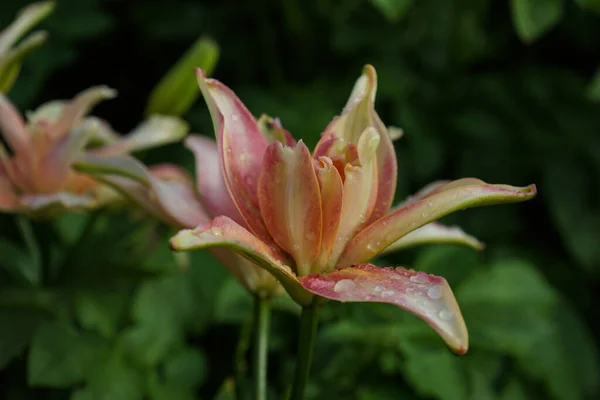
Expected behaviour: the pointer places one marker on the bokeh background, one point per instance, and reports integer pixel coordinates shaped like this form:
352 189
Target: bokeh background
95 306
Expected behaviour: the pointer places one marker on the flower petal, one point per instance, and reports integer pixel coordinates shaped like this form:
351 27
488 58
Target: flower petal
290 202
452 197
359 114
49 205
76 109
209 178
272 130
224 232
432 233
155 131
167 194
8 198
332 192
359 192
241 145
427 296
12 126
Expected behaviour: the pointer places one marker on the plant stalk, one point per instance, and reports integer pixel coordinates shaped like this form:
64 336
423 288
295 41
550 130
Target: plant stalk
309 319
262 314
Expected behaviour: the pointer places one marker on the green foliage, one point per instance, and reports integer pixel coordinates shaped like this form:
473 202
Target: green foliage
97 307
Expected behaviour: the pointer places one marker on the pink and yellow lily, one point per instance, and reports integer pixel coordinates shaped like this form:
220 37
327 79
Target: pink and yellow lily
37 177
314 220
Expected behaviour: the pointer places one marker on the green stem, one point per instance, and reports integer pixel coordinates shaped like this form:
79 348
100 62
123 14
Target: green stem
240 358
262 314
309 320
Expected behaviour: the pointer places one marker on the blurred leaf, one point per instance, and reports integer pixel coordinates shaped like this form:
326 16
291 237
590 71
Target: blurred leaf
393 10
17 328
177 90
434 372
593 5
533 18
113 379
593 89
147 345
187 368
101 311
234 303
59 356
79 19
19 263
514 391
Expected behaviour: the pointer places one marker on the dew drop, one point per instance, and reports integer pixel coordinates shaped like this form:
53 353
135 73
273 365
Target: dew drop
378 288
418 278
445 314
217 231
235 117
311 236
388 293
434 292
344 285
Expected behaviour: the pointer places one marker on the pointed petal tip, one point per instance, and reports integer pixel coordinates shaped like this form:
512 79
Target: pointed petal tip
426 296
200 74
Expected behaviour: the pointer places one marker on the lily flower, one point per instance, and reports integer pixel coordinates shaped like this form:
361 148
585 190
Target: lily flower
36 176
168 193
314 220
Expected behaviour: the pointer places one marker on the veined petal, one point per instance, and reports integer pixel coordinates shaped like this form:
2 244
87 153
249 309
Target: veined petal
209 178
8 198
157 130
76 109
224 232
427 296
12 126
359 114
385 231
272 130
432 233
241 145
55 167
332 192
359 192
290 202
167 193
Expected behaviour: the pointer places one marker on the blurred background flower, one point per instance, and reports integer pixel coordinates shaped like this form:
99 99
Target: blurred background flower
95 306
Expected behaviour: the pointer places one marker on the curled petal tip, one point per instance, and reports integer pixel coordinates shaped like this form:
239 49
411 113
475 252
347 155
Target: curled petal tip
200 74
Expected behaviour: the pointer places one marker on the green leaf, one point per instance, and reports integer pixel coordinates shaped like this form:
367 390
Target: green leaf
20 264
593 90
393 10
101 311
187 368
514 391
593 5
226 391
533 18
17 328
434 371
177 91
60 356
147 345
113 379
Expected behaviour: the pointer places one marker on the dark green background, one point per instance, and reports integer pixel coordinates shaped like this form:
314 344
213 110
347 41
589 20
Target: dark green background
500 90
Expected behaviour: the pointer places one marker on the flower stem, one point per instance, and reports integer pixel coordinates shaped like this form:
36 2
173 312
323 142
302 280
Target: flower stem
309 320
262 314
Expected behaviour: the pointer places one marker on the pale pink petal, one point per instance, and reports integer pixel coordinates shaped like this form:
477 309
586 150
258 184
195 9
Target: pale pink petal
427 296
359 193
290 202
241 145
8 197
385 231
12 126
225 233
332 192
76 109
359 114
434 233
157 130
209 178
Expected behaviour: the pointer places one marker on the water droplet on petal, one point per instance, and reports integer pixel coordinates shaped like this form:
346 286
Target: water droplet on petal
418 278
235 117
344 285
434 292
311 235
216 231
388 293
378 288
445 314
